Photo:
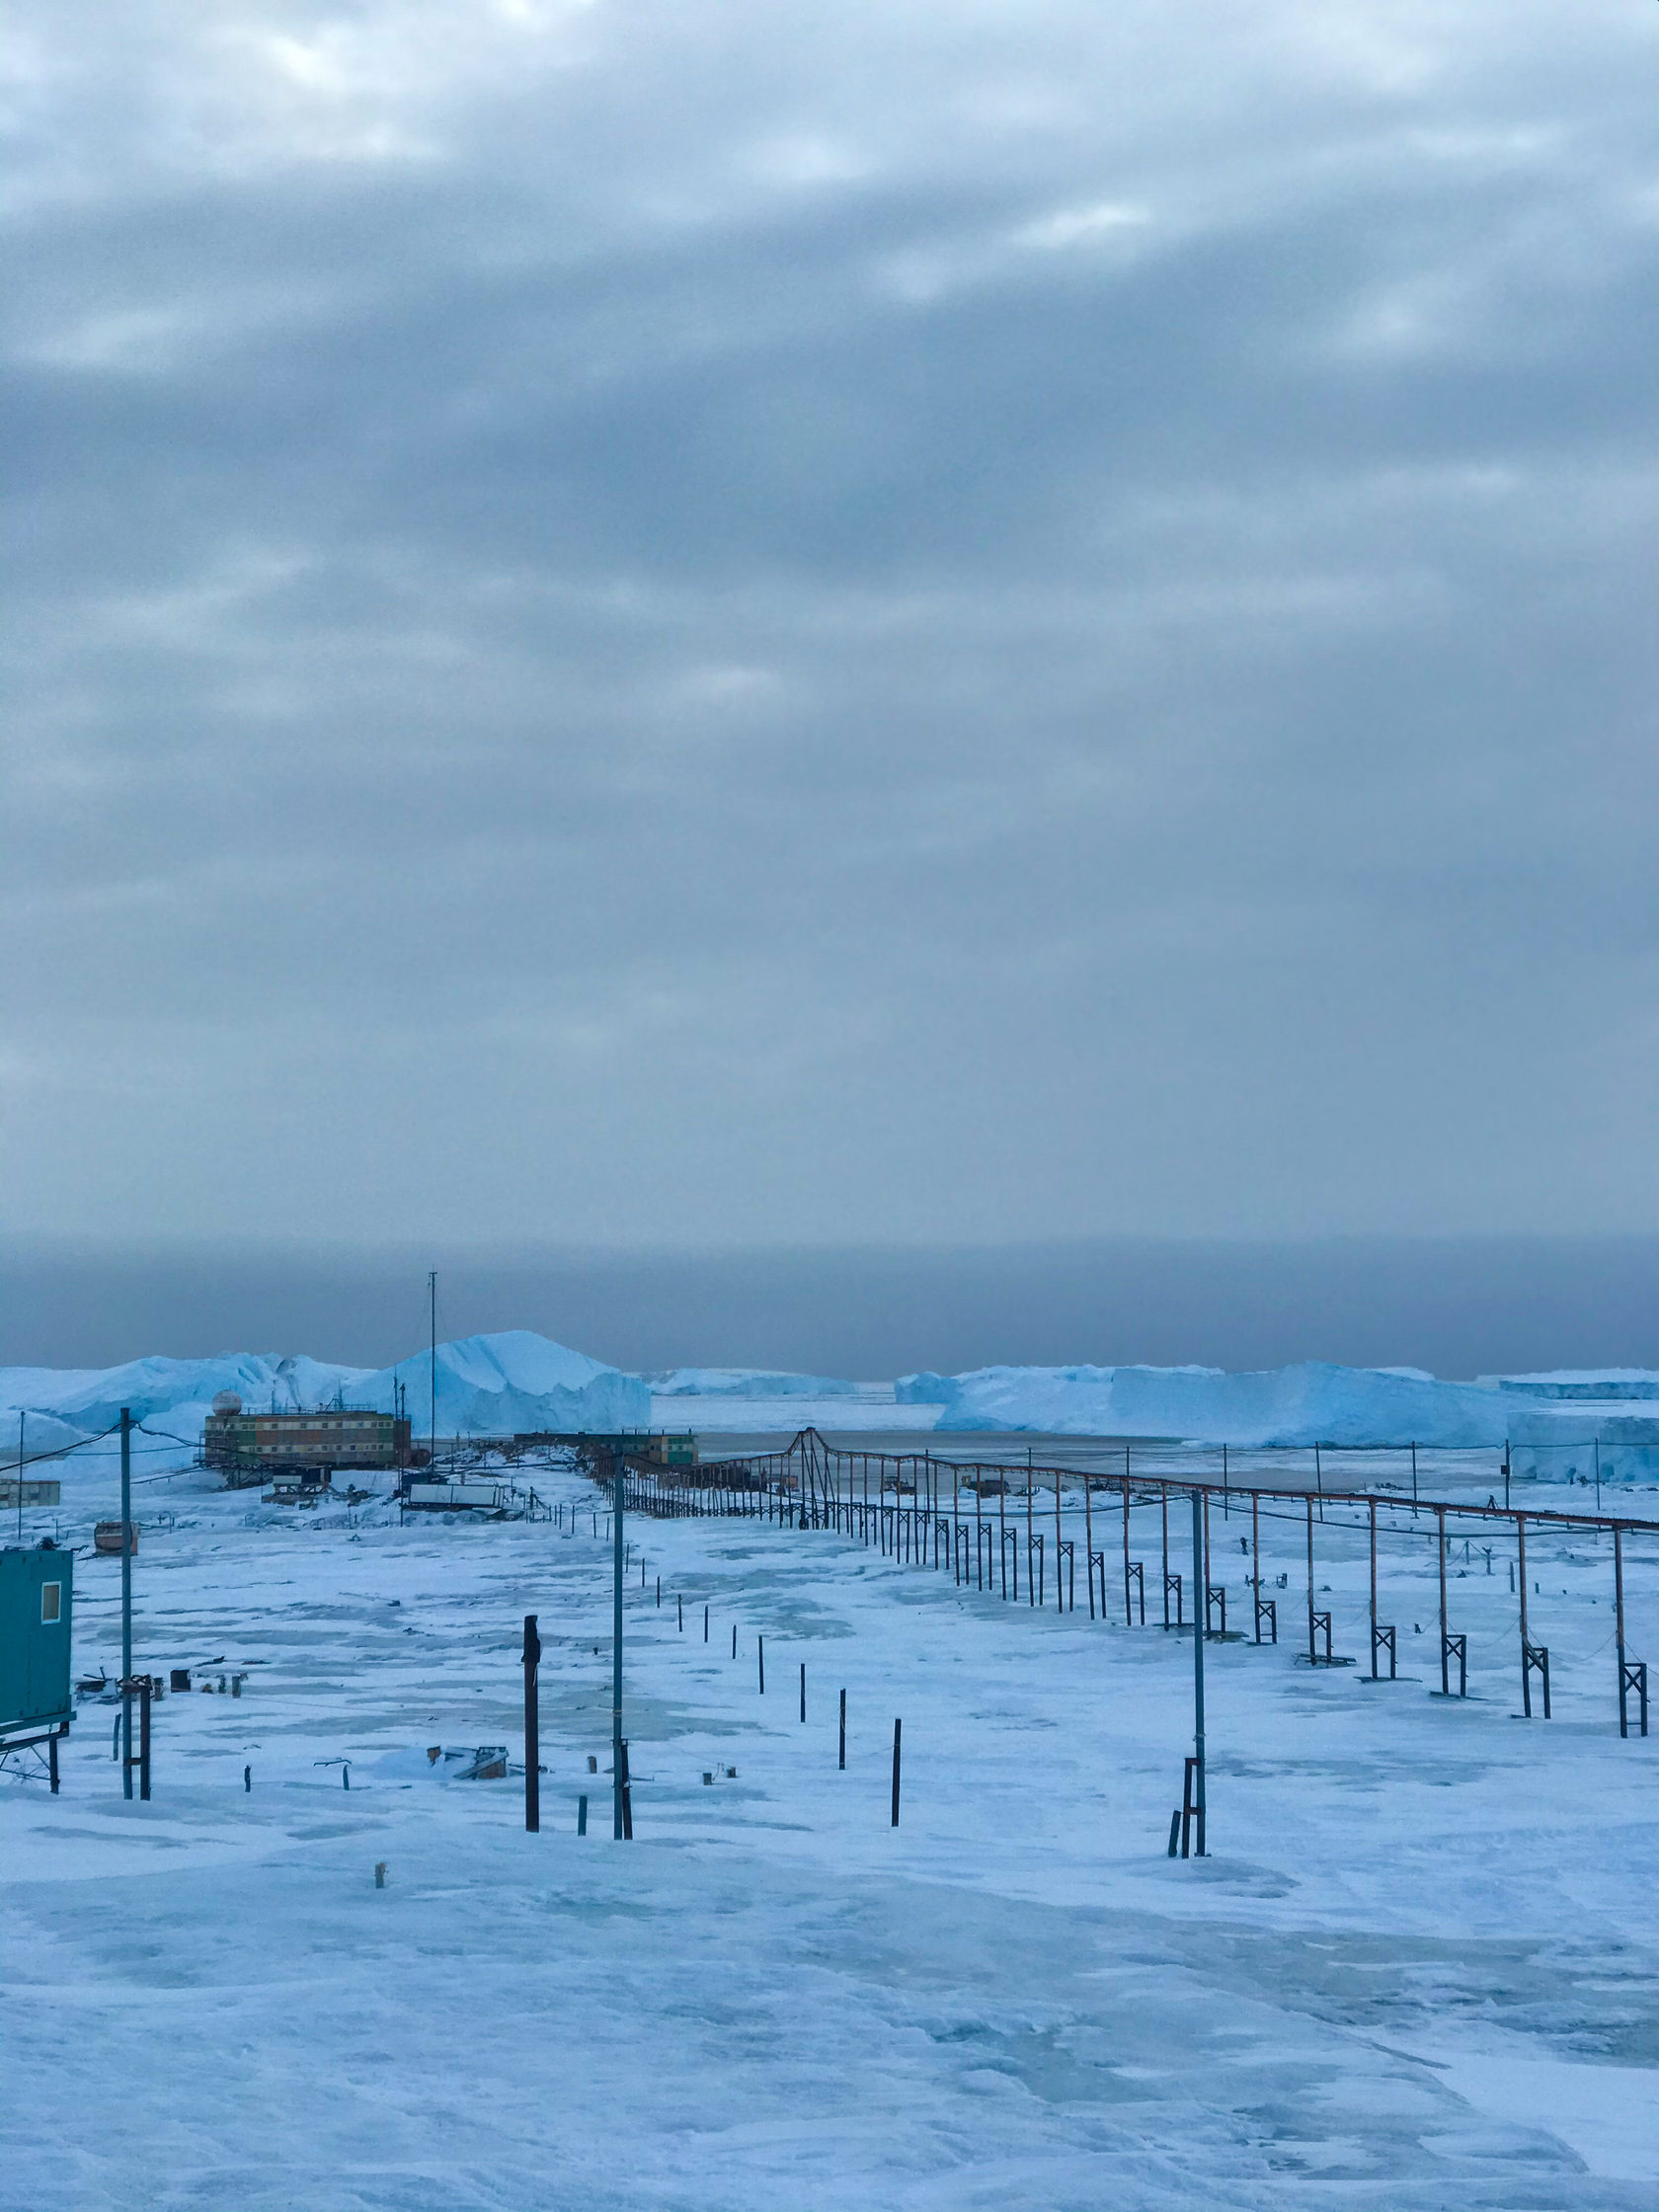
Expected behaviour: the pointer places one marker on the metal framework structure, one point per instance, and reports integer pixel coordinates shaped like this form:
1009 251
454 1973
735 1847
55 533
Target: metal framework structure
979 1518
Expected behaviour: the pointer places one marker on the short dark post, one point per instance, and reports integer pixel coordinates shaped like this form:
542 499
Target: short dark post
143 1734
248 1779
734 1639
842 1761
533 1728
898 1725
760 1658
803 1689
658 1589
705 1624
582 1816
680 1612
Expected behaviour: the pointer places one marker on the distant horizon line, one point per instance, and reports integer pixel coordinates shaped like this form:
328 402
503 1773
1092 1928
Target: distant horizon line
233 1241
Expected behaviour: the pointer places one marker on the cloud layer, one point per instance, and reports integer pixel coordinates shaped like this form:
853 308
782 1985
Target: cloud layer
640 623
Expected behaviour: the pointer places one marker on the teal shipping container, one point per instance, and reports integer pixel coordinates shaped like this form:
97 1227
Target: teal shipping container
37 1593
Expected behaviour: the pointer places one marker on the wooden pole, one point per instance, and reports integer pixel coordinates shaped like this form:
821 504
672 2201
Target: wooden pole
897 1727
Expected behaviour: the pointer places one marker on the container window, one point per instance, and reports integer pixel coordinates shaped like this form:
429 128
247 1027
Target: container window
51 1601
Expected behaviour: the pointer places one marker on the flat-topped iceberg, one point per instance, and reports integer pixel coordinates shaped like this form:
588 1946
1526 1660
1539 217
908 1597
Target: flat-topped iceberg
747 1382
1577 1386
1310 1404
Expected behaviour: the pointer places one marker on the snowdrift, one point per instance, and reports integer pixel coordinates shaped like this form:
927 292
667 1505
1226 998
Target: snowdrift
1311 1404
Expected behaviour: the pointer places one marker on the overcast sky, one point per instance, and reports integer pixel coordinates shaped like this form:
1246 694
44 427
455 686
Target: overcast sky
729 624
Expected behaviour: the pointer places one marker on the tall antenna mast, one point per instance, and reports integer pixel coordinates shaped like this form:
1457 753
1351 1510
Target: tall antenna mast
431 1291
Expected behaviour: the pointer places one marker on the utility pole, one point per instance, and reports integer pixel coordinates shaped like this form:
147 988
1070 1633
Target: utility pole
616 1651
432 1441
20 1418
127 1599
1198 1668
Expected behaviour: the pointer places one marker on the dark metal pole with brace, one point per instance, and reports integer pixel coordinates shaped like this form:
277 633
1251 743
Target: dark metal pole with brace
127 1597
616 1777
1198 1677
533 1728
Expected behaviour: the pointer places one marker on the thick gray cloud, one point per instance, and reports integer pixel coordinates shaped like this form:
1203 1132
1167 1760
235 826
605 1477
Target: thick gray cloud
650 625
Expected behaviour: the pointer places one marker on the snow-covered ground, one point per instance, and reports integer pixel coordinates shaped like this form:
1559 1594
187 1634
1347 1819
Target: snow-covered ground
1418 1971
